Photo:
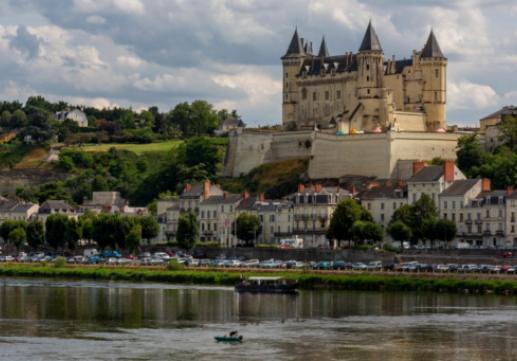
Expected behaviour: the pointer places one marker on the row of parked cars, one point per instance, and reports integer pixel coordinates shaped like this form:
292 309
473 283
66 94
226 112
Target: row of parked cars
162 258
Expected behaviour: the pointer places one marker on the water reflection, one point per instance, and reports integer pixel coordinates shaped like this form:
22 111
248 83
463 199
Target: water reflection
319 324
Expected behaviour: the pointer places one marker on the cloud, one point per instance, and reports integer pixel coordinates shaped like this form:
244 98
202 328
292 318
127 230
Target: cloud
467 95
151 52
25 42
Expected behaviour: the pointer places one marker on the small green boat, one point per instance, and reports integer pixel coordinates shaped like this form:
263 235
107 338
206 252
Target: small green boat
229 339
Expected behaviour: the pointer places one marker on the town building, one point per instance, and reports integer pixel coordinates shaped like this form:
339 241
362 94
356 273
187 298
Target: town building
313 209
229 124
489 126
13 210
382 199
56 206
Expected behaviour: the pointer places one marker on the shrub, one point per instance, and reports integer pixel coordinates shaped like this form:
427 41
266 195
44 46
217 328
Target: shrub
174 265
60 262
208 244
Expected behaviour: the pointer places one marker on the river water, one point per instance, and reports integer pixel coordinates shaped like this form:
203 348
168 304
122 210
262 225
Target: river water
44 319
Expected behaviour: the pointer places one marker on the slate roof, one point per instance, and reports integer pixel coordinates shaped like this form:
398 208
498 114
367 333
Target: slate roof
324 50
428 174
233 122
56 204
459 187
507 110
271 206
247 203
295 47
431 48
384 191
370 40
229 199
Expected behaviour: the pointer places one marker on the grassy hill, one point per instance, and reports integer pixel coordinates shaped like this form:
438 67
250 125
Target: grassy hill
135 148
274 179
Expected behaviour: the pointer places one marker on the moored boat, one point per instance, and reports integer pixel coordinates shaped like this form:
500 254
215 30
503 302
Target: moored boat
229 339
267 285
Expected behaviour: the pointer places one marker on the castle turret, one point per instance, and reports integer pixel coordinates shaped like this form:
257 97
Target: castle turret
434 67
291 62
370 80
324 50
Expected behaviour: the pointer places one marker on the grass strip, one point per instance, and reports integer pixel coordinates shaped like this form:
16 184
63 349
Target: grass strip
307 280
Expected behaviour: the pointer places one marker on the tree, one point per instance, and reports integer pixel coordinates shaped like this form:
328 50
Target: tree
104 230
247 227
5 119
8 226
18 119
201 151
35 233
346 214
187 232
508 130
470 154
441 229
403 214
17 236
399 231
424 210
150 227
133 237
366 231
57 230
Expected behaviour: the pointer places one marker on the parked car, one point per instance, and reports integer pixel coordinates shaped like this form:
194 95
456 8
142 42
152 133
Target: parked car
374 266
359 266
251 263
341 265
441 268
323 265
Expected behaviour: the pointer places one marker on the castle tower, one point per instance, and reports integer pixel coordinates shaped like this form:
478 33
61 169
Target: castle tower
370 81
291 63
324 50
434 67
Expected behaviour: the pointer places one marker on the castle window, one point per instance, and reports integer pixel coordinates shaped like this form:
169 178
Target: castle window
287 75
436 73
327 95
338 94
368 91
367 66
367 78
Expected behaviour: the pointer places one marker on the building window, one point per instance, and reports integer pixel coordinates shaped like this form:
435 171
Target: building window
367 78
368 91
382 217
487 213
367 66
286 75
338 94
314 96
394 205
444 204
445 216
453 215
382 205
436 73
304 93
435 96
327 95
369 206
453 204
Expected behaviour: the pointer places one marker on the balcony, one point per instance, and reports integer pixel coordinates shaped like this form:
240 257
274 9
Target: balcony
468 221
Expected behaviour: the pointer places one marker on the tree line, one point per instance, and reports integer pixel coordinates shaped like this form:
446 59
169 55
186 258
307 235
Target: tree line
61 232
36 118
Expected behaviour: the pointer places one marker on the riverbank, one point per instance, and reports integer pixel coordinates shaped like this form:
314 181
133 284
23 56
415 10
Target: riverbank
307 280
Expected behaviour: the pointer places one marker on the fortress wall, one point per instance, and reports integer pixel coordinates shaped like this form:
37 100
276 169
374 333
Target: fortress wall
420 146
291 145
335 156
247 150
410 121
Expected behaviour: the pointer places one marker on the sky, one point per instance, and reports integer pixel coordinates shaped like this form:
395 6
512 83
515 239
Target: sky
140 53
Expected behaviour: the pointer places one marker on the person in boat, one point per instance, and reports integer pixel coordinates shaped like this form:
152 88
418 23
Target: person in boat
234 333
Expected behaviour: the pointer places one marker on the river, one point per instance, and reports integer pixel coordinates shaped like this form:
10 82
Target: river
42 319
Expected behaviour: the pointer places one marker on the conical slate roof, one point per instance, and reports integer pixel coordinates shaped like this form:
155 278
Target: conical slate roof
324 50
296 46
370 40
431 48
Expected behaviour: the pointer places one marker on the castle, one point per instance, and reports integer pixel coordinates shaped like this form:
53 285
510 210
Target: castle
353 114
362 91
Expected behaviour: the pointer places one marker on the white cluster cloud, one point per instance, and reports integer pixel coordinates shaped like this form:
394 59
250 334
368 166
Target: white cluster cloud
150 52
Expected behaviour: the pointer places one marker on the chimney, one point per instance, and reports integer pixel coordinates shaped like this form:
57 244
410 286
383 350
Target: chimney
262 197
188 187
418 166
317 187
245 195
206 189
373 185
301 188
509 190
351 189
485 185
448 171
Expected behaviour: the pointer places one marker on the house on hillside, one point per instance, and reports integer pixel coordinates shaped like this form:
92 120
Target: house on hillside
229 124
75 115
